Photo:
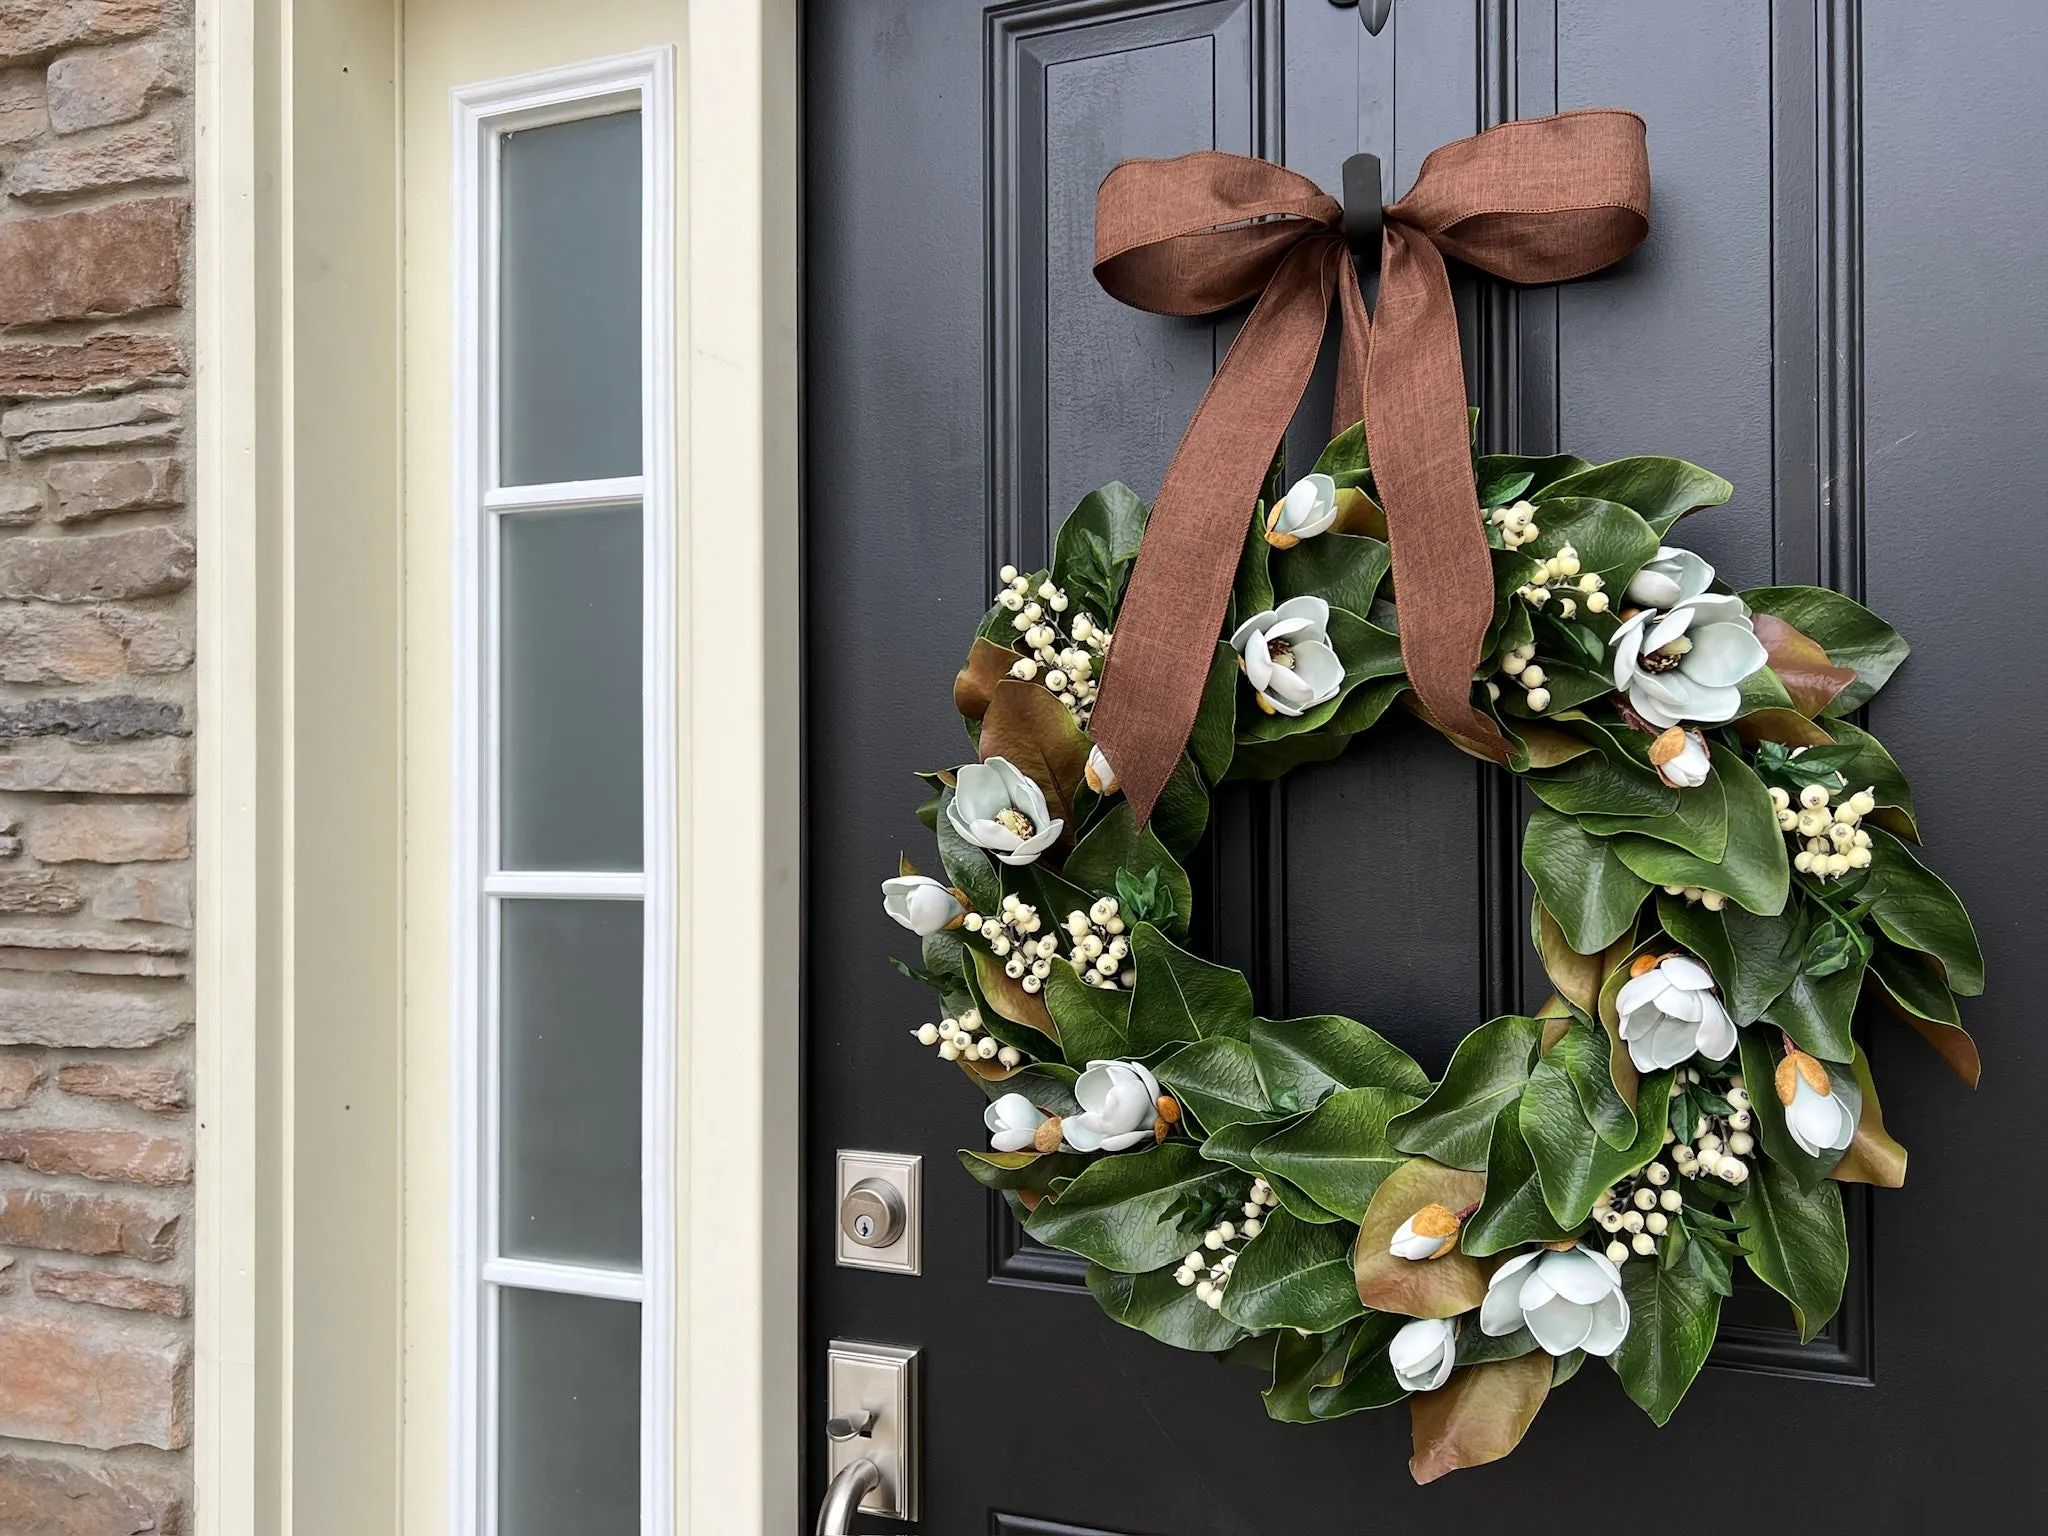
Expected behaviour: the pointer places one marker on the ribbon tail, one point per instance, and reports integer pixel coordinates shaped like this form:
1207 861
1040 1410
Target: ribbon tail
1165 634
1420 442
1347 405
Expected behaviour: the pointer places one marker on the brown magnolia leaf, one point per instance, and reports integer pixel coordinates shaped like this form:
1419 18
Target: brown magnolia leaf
1557 1023
1032 731
1873 1157
989 1071
1801 664
1359 513
1952 1041
1031 1198
1576 976
1621 954
1478 1416
987 665
1008 997
1784 725
904 867
1548 748
1441 1287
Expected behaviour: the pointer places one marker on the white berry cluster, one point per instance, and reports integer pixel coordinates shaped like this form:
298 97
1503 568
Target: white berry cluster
1517 524
1559 577
1013 937
1066 663
1713 901
1520 664
1725 1142
1100 949
1827 824
1636 1212
1208 1267
961 1039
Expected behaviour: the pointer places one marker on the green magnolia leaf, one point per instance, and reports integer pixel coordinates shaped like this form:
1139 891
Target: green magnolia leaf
1487 1072
1797 1243
1238 1145
1610 537
1181 998
1161 1306
1572 1163
1513 1211
1914 987
1096 545
1366 650
1217 1081
1753 958
1582 1055
1252 593
1136 1211
1340 1153
1117 843
1543 471
1609 781
1215 733
1300 1365
967 865
1851 634
1673 1315
1303 1061
1257 761
1760 1057
1345 569
1816 1011
1660 490
1368 1376
1021 1170
1293 1275
1755 871
1181 814
1045 1083
1915 908
1444 1286
1345 455
1094 1022
1503 489
1698 823
1872 768
1582 881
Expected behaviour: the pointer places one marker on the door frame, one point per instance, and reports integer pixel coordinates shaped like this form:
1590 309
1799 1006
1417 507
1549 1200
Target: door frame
303 762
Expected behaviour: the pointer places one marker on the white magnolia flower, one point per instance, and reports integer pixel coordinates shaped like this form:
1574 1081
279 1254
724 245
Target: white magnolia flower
1307 510
1569 1300
1424 1353
1286 653
1431 1231
997 806
921 903
1101 777
1814 1113
1013 1123
1684 663
1680 758
1675 576
1119 1105
1669 1014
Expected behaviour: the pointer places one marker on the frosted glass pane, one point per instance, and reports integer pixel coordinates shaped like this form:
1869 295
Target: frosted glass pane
569 1097
568 1415
569 622
569 301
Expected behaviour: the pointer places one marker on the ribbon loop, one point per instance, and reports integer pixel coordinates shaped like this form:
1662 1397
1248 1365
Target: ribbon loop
1533 202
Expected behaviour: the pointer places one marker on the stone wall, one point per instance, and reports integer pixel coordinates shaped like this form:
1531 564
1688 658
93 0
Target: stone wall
96 694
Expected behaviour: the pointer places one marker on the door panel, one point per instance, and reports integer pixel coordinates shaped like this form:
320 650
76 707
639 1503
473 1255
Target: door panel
968 381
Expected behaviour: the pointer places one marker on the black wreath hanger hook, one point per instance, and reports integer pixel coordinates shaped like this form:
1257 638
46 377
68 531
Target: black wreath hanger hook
1373 13
1362 214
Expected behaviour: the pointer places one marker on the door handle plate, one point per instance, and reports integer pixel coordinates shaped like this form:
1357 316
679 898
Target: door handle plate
878 1383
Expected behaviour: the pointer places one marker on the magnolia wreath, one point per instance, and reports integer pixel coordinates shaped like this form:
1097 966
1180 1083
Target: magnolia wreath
1723 868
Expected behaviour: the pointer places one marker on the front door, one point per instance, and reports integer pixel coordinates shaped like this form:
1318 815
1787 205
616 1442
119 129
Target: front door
1832 311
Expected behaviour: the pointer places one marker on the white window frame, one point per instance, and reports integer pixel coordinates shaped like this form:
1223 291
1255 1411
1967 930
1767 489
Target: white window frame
482 114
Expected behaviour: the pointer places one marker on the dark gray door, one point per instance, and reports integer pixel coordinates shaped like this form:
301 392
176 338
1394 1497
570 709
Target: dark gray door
1832 311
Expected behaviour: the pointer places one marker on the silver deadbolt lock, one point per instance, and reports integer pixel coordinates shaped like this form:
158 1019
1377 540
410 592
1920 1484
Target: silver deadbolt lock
872 1214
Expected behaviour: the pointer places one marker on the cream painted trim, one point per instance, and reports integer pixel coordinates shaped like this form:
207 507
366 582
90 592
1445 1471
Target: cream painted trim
236 1445
738 1436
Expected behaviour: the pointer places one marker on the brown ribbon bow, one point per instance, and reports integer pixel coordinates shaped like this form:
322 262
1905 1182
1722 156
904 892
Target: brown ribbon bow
1534 202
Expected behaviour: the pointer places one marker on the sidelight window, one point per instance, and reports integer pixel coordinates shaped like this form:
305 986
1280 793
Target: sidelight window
565 998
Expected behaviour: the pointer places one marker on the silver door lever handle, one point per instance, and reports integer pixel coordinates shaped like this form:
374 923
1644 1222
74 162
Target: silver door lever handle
851 1426
854 1483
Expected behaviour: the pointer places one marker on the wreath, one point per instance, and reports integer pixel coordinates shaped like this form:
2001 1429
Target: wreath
1722 859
